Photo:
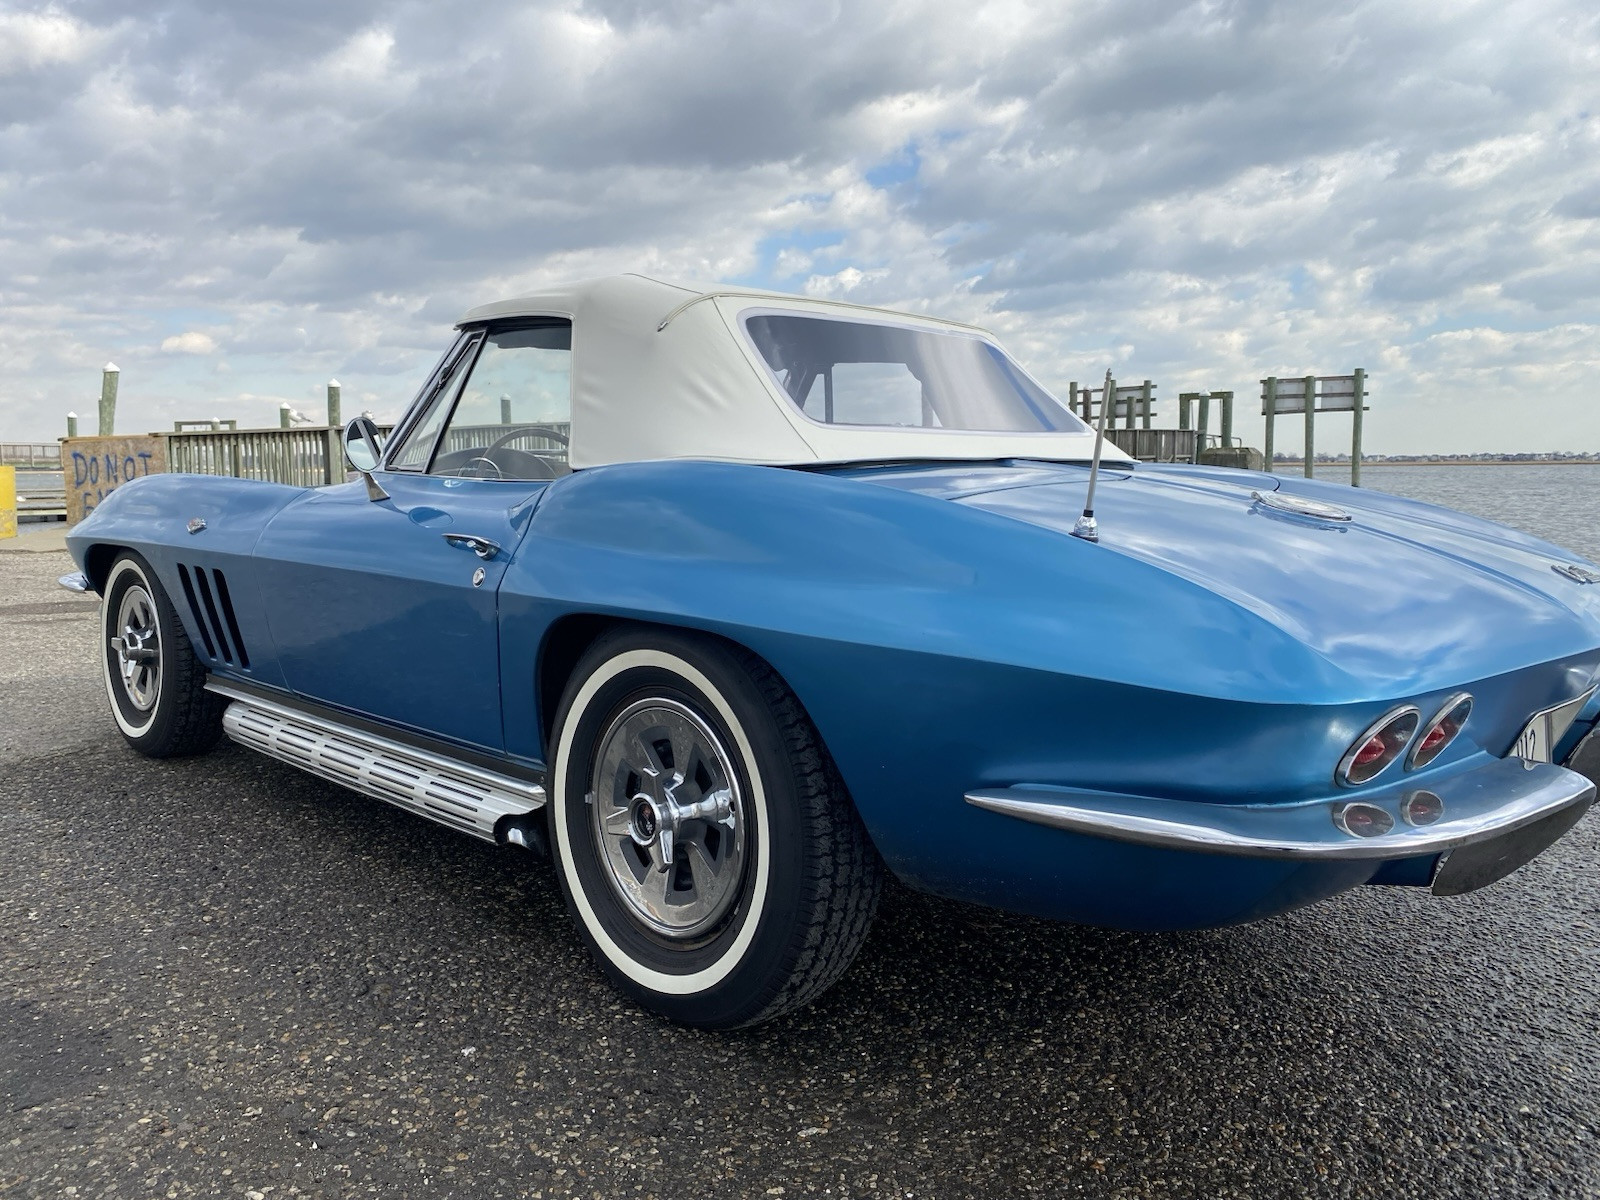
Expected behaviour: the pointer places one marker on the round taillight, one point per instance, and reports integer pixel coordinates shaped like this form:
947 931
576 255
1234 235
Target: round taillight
1441 731
1370 753
1379 746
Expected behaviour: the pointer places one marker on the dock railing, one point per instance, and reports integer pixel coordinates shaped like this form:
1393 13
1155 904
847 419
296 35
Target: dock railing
38 456
309 456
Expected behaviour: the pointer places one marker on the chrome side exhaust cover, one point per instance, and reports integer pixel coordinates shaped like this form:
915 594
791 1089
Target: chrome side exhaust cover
462 796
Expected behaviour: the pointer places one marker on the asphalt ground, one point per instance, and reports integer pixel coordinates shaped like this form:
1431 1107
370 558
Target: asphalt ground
221 977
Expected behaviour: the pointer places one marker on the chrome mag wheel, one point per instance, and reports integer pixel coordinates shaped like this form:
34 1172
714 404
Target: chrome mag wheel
137 645
668 818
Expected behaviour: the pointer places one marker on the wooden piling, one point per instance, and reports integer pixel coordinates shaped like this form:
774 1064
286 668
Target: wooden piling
1270 395
1311 411
110 374
1355 434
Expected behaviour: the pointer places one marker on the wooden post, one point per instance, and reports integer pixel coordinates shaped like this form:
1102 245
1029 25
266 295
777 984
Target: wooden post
1204 424
1227 418
505 409
333 404
72 424
1184 401
1072 397
109 376
1270 395
1311 411
1146 397
283 415
1355 430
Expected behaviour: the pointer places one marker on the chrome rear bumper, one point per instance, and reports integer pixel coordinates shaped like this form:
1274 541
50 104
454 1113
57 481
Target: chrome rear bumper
1479 804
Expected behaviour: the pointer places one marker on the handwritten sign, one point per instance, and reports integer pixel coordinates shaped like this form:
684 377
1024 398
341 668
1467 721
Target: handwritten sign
94 467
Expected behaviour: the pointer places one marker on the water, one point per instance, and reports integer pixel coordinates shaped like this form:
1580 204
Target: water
1558 503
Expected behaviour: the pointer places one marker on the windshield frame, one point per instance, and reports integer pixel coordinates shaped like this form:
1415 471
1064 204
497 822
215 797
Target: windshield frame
933 328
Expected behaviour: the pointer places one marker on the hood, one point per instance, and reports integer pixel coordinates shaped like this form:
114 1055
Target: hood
1404 592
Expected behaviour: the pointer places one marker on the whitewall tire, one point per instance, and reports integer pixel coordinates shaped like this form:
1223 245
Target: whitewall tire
154 681
706 847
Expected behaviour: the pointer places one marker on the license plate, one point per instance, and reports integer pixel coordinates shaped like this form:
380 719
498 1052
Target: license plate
1540 735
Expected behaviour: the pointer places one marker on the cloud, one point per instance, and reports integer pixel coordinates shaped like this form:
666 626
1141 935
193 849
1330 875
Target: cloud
1202 193
191 342
32 40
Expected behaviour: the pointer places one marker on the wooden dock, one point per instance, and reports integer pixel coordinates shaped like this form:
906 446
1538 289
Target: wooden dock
41 496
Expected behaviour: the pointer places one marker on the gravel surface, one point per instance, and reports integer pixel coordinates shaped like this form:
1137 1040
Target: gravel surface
221 977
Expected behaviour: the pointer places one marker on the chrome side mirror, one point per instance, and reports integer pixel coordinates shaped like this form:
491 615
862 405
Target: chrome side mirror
363 445
363 450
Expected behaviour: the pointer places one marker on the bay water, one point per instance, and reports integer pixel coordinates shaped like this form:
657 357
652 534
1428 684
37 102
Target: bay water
1557 502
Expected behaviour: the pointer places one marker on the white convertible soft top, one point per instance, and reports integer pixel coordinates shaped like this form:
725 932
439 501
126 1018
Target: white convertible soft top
664 371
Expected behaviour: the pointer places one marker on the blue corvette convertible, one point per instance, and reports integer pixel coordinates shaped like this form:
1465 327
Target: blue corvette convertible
733 601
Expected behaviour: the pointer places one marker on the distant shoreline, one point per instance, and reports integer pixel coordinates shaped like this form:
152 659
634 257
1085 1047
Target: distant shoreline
1447 462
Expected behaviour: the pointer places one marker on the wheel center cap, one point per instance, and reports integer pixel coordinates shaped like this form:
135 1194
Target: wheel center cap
644 821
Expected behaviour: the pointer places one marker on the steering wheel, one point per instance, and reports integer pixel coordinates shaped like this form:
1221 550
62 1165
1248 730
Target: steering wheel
549 432
473 462
530 464
507 463
500 460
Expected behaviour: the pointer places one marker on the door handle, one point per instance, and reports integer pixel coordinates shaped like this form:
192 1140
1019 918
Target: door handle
482 547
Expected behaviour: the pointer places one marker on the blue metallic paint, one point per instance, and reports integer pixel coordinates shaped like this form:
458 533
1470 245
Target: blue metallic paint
372 610
935 642
945 634
151 515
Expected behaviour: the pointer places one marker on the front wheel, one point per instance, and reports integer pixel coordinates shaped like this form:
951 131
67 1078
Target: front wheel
155 682
705 844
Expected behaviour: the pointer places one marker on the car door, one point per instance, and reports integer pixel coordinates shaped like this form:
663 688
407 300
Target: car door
387 607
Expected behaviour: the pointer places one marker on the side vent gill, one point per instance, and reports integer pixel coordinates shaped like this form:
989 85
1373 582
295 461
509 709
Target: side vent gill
212 607
194 611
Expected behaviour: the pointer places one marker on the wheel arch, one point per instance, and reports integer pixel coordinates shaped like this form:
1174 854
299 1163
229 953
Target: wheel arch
570 637
97 560
565 643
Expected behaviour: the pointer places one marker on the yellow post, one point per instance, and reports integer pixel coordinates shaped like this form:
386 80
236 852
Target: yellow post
8 502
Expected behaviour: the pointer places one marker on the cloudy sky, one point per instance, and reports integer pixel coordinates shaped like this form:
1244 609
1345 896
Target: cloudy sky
238 201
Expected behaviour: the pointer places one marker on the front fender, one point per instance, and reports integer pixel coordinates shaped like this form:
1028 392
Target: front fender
153 514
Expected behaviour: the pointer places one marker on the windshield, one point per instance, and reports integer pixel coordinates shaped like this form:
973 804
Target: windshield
841 372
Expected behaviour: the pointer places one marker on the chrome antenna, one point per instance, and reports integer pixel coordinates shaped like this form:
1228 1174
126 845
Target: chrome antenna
1087 527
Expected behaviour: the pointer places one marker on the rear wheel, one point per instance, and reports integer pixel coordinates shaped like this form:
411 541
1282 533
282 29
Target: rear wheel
707 849
155 682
